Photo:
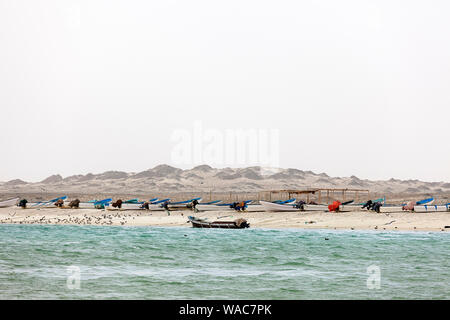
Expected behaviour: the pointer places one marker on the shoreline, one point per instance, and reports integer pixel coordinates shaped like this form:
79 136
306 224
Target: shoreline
355 220
422 230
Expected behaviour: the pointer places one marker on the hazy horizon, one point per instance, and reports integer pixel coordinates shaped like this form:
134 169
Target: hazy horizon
346 88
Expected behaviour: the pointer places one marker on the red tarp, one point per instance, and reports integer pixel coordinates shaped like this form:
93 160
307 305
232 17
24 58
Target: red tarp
334 206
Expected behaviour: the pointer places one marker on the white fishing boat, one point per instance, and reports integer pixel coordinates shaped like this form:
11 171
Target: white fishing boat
276 207
9 203
352 207
135 206
258 207
433 208
126 206
318 207
424 205
213 207
216 206
389 209
44 204
40 205
83 205
255 208
270 206
187 204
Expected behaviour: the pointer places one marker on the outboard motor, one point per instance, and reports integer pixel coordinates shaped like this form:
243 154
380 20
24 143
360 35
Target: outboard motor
192 205
59 203
74 203
118 204
241 223
23 203
300 205
376 206
367 205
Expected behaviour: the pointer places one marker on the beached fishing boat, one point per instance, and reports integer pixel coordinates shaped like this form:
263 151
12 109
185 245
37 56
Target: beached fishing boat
276 207
187 204
248 206
317 207
258 207
134 204
391 209
254 208
290 201
433 208
45 204
223 206
202 223
421 205
93 204
213 207
270 206
8 203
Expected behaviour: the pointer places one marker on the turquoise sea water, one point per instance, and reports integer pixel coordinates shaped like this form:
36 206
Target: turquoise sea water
186 263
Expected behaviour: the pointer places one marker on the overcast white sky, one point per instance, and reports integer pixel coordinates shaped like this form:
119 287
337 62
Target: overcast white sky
354 87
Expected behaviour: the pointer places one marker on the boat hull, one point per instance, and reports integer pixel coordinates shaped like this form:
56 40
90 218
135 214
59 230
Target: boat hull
126 206
213 207
275 207
432 208
36 205
9 203
136 206
254 208
390 209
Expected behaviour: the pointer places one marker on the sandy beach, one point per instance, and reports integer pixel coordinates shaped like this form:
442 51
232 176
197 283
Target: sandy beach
357 220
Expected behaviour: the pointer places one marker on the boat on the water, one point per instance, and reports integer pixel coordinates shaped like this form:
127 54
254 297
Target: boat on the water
202 223
8 203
